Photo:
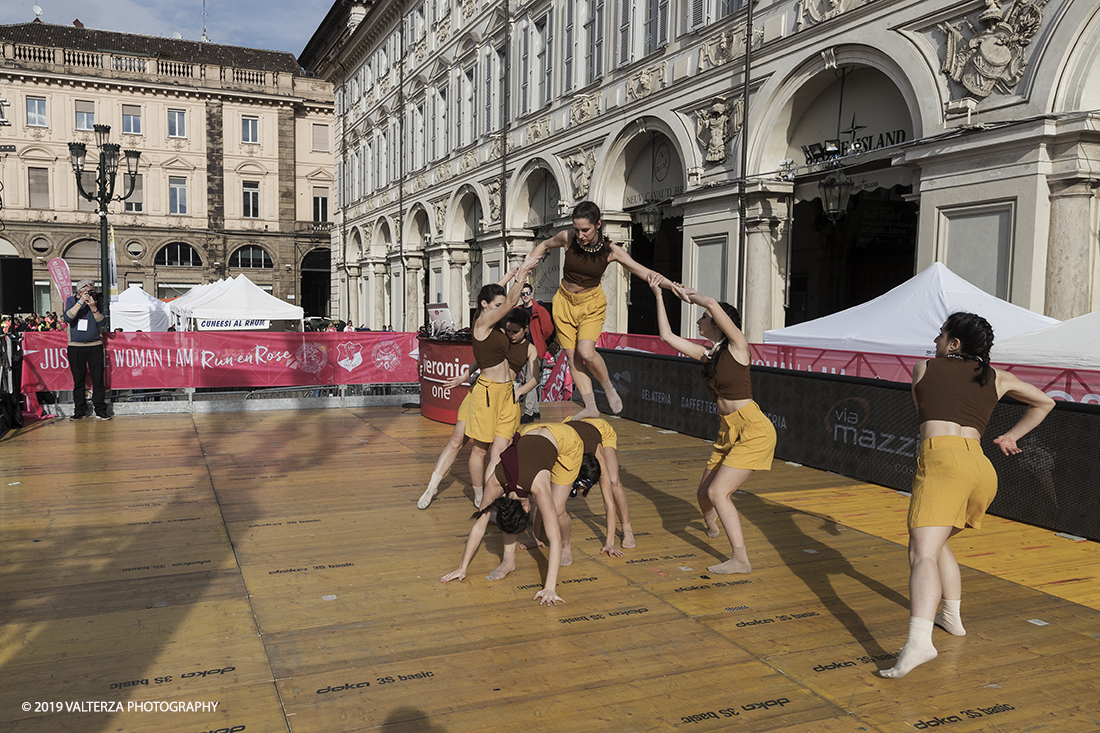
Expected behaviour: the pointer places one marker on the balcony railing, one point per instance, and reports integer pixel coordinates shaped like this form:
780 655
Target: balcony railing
146 67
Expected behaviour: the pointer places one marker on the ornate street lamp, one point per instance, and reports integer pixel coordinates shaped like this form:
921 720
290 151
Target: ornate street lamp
836 189
650 220
104 194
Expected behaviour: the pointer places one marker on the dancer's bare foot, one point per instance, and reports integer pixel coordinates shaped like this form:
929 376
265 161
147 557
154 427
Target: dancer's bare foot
502 570
730 567
628 537
426 498
567 556
712 523
458 575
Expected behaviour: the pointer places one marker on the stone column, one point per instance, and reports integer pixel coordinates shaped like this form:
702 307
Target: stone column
1069 248
353 294
379 313
414 293
767 227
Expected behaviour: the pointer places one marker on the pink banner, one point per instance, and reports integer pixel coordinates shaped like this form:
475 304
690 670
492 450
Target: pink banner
1070 385
62 280
228 359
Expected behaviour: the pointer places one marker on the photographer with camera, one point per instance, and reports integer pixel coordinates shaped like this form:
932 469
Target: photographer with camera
85 351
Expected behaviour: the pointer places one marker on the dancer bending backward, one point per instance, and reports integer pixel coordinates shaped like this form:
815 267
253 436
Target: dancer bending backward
520 351
580 305
746 440
955 483
543 463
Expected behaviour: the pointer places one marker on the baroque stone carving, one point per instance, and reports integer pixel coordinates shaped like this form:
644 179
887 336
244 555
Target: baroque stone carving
421 181
991 59
442 30
583 163
716 126
420 50
538 130
469 161
440 216
584 108
468 8
726 46
443 172
647 81
812 12
494 200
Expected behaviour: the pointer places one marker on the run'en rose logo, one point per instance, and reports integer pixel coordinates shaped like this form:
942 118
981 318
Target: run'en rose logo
349 355
387 356
311 358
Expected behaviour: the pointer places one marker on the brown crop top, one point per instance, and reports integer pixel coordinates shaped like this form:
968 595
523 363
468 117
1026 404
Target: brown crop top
493 350
590 435
517 355
581 270
730 380
947 392
522 461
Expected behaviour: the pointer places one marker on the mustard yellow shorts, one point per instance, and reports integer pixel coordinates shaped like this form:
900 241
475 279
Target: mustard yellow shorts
954 485
579 316
746 440
570 451
464 408
492 411
608 437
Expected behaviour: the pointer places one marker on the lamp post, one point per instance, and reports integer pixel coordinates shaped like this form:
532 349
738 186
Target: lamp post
836 190
104 195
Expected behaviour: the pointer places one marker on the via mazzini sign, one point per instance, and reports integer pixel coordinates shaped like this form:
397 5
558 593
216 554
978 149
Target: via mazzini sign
233 324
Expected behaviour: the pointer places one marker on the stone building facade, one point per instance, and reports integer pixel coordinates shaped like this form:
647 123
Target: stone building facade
235 170
466 130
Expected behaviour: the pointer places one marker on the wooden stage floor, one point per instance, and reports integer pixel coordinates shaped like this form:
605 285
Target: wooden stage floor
275 563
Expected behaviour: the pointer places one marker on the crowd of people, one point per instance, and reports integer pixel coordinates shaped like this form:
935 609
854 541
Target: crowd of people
33 322
523 476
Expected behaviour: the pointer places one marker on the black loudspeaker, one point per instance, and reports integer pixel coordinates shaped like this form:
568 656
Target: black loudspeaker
16 285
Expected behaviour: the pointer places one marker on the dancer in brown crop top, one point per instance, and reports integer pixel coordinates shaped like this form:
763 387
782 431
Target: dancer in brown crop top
527 468
492 308
746 441
580 305
955 394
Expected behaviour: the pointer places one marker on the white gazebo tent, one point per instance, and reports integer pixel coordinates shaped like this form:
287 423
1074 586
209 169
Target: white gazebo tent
905 320
1072 344
240 304
137 310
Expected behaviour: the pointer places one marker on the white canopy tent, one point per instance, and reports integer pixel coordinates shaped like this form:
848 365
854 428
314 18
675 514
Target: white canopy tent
136 310
1072 344
238 304
905 320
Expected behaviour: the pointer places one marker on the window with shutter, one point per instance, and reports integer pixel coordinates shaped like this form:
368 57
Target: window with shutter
38 184
548 72
85 115
625 10
320 138
524 70
567 49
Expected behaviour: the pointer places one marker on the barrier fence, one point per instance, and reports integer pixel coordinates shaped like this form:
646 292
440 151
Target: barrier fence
204 360
867 429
